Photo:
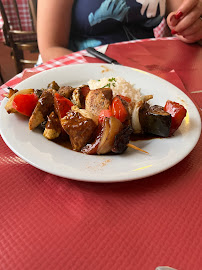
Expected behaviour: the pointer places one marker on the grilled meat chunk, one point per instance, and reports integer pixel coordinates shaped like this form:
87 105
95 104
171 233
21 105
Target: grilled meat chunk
44 107
98 100
121 140
66 91
53 85
91 148
38 92
154 120
85 113
79 96
79 128
53 127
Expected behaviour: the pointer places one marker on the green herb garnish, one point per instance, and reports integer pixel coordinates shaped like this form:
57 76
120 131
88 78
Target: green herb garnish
107 85
112 79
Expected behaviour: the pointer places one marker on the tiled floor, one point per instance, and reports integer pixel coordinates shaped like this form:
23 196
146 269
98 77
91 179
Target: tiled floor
7 65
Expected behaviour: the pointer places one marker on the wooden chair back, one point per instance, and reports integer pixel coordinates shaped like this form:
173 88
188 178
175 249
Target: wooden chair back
1 77
18 39
33 12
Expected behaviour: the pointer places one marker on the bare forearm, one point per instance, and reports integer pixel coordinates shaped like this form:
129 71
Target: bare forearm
54 52
53 27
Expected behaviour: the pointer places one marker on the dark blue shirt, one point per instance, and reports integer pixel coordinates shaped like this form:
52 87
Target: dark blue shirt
98 22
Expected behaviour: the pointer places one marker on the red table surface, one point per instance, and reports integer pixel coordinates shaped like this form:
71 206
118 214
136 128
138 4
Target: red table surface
48 222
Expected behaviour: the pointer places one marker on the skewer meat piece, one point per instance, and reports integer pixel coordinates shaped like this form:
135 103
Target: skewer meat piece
98 100
44 107
79 128
66 91
53 127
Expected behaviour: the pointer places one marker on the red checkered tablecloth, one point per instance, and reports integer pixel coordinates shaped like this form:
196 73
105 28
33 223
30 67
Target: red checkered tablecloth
75 58
52 223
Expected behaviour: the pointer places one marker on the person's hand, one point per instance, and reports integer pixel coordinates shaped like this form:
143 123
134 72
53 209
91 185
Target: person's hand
186 21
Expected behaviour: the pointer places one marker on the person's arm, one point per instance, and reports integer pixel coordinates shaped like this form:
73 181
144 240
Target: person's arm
53 27
185 19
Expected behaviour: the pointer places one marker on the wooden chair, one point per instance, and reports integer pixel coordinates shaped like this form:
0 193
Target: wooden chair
17 39
1 77
33 12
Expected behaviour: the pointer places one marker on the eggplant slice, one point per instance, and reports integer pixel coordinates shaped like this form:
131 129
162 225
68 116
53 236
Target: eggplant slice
154 120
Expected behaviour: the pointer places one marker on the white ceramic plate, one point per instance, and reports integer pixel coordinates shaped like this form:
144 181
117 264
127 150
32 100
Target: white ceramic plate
55 159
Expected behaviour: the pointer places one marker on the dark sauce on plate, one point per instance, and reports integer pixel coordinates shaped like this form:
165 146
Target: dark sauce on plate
64 141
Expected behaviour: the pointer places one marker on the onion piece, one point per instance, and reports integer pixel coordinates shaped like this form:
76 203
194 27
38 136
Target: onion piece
112 126
135 114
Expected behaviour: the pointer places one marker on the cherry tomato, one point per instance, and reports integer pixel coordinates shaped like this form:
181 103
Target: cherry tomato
25 103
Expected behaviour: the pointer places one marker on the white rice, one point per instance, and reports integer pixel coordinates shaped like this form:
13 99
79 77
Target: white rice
118 85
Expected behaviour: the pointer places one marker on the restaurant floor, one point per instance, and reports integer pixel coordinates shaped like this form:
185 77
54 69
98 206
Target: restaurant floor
7 66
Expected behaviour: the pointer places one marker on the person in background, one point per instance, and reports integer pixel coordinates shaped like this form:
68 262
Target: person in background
64 26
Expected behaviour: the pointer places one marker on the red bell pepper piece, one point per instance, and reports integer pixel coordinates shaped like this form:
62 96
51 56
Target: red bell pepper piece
177 111
62 105
25 103
103 114
127 99
118 109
